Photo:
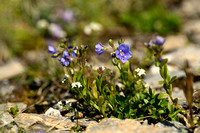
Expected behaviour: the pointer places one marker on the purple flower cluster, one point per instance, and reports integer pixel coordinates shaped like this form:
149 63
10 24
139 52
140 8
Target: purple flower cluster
65 59
158 40
123 53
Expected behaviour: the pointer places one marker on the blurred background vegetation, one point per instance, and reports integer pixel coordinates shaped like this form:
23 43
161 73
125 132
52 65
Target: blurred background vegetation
34 24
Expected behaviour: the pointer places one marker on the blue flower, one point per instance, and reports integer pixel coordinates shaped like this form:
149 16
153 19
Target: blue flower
124 52
149 44
159 40
99 48
65 54
51 50
69 46
65 60
160 59
73 54
40 131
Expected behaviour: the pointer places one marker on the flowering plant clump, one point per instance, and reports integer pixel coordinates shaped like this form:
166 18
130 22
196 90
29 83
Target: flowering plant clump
122 93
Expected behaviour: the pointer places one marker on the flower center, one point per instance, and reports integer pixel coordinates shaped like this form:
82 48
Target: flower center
121 53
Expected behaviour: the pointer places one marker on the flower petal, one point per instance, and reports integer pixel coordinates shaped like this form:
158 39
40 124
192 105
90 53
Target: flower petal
124 47
65 54
51 50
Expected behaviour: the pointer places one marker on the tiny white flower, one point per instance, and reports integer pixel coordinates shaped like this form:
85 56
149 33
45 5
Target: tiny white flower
103 68
93 26
79 84
66 75
76 84
146 85
63 81
87 30
42 23
140 71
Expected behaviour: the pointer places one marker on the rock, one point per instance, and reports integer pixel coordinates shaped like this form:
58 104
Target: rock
6 88
192 30
26 120
190 9
197 130
178 93
174 125
178 57
37 122
174 42
11 69
114 125
53 112
5 118
153 76
6 106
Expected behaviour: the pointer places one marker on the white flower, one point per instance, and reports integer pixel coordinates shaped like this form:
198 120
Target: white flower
42 23
140 71
146 85
76 84
93 26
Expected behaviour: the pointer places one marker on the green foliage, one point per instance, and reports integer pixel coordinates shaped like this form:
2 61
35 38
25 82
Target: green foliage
154 18
20 20
14 110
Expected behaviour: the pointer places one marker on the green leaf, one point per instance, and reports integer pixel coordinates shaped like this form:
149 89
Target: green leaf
161 111
173 79
176 101
170 108
161 82
162 96
157 63
84 91
120 116
146 101
101 100
94 92
175 113
103 109
97 107
110 106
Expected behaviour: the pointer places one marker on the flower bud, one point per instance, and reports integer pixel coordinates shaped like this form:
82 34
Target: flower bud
111 42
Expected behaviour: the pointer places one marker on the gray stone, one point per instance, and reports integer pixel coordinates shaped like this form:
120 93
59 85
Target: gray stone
5 118
6 88
174 42
173 125
53 112
6 106
192 30
11 70
114 125
190 53
190 9
153 77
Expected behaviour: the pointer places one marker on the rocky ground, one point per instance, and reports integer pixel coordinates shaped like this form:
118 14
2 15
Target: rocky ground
178 48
